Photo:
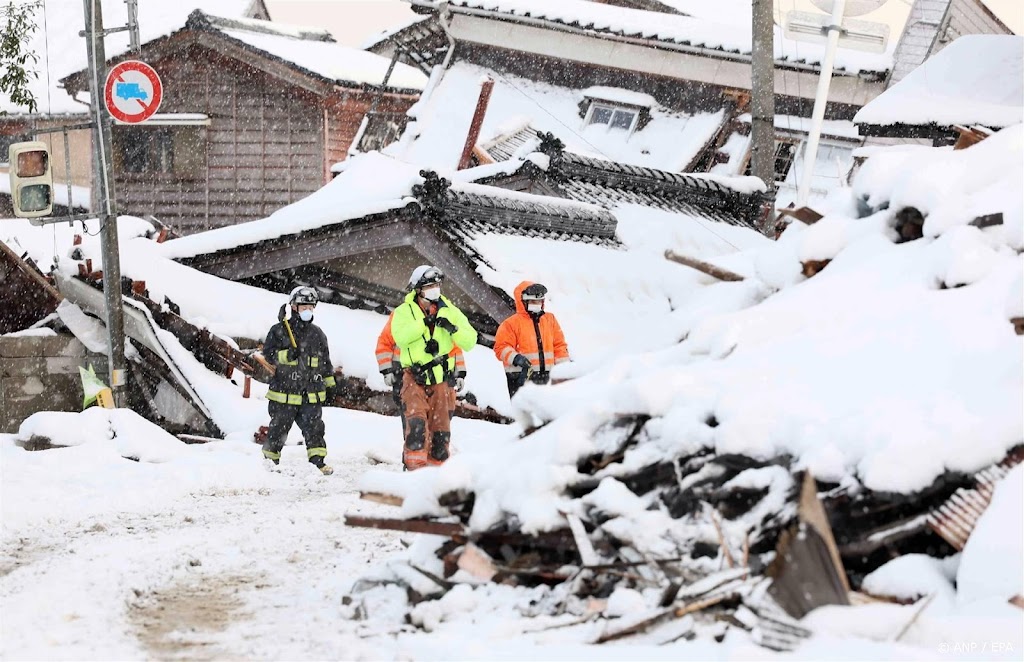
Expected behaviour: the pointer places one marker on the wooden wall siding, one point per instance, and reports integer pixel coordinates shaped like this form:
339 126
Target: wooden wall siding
264 147
346 113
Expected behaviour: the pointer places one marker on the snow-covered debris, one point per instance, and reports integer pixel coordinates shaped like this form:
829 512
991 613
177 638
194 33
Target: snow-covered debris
991 564
950 187
911 577
890 389
119 431
977 79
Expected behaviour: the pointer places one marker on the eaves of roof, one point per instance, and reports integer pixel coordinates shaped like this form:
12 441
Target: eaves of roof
636 37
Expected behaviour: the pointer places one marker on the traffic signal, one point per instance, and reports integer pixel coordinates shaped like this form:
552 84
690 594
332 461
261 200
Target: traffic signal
31 180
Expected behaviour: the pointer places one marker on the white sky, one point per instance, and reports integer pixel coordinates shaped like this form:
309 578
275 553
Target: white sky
353 21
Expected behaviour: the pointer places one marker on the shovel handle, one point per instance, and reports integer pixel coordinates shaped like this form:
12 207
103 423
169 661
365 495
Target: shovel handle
287 326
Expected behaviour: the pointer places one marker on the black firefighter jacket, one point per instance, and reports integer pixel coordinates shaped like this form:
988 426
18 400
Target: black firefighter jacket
307 378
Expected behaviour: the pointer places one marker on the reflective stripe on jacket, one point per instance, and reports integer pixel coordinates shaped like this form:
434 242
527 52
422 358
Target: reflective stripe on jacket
307 378
389 354
411 331
523 334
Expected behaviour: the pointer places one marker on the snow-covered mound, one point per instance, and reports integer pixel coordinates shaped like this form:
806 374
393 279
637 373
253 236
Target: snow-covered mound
119 431
895 364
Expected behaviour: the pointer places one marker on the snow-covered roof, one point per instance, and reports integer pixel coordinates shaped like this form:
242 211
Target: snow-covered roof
384 35
61 51
720 26
373 184
977 79
669 141
319 55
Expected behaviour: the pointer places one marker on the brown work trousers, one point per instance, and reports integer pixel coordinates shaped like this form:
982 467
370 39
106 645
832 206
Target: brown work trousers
428 414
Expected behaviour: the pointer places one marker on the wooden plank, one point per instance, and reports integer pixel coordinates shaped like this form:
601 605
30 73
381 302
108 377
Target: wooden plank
587 554
449 529
386 499
703 267
811 511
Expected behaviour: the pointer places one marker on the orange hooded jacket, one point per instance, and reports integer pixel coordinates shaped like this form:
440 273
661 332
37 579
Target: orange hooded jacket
388 353
521 334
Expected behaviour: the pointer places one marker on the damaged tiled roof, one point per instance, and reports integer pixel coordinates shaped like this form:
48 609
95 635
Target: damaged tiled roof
506 215
609 184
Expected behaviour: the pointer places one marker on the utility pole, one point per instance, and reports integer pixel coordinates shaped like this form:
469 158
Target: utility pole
762 97
94 36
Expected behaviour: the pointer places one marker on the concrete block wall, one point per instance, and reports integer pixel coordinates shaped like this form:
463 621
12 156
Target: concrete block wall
40 373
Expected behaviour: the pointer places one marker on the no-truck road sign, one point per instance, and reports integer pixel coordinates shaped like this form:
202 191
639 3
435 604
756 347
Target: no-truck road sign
133 92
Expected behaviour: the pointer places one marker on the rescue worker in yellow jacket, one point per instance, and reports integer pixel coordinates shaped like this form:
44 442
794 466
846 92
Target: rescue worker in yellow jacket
531 341
426 328
303 379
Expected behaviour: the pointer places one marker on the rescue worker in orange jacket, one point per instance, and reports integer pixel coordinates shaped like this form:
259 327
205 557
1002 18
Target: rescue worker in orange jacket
390 366
531 341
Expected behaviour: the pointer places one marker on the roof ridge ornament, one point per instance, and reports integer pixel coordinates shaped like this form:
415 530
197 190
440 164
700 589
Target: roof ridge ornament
432 193
553 148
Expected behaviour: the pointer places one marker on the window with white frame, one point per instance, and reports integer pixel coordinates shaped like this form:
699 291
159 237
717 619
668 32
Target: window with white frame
614 118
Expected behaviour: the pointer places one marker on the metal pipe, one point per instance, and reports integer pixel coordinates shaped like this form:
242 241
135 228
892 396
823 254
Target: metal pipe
67 170
821 101
442 12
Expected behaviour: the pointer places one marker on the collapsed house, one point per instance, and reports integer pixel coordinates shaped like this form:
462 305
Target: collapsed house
778 455
358 244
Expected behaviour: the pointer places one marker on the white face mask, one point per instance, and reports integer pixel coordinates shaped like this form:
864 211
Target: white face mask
432 293
535 306
305 315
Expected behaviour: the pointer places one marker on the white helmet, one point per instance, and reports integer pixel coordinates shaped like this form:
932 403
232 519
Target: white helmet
303 295
424 275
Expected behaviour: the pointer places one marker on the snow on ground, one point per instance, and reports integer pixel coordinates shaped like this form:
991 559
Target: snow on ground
868 372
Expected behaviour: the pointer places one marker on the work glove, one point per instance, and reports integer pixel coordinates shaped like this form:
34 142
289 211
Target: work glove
330 392
389 378
431 347
446 324
293 354
460 383
522 362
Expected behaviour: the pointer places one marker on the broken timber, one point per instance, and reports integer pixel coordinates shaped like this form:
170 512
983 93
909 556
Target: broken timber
703 267
459 533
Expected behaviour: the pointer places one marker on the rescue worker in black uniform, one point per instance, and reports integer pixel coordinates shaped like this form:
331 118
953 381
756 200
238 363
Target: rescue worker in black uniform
303 382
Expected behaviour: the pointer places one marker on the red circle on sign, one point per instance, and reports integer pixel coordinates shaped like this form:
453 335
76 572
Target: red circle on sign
133 94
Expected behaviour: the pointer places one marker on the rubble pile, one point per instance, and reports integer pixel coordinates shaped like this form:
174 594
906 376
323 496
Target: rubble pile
724 540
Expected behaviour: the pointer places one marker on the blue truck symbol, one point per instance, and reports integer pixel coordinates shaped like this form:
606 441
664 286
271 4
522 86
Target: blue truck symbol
130 91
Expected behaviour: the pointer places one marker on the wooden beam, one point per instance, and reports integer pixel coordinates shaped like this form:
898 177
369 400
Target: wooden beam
703 267
293 251
449 529
386 499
